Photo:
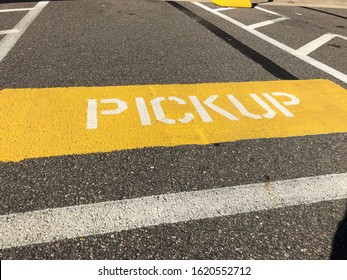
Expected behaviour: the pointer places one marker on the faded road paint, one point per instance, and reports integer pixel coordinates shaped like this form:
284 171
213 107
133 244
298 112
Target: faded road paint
80 120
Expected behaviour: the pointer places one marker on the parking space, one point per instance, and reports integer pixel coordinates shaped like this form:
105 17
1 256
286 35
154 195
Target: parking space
177 52
293 33
231 121
252 16
295 37
333 53
327 37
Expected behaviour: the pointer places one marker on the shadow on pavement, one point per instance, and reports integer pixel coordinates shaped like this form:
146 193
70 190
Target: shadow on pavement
256 3
339 250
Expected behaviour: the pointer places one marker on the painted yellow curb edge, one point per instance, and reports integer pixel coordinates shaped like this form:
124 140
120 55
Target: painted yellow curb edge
233 3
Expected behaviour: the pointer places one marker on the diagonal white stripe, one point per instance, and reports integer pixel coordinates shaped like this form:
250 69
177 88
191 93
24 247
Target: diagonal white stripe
315 44
100 218
7 43
15 10
2 32
268 11
267 22
223 9
321 66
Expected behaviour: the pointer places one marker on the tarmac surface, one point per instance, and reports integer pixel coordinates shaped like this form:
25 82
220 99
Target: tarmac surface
105 43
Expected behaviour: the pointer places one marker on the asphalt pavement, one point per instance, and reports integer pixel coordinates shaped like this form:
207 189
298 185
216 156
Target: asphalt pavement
112 43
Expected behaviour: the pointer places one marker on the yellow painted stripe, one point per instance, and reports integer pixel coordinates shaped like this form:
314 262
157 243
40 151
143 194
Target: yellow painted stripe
233 3
78 120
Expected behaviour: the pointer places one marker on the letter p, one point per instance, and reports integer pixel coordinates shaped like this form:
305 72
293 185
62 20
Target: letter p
92 110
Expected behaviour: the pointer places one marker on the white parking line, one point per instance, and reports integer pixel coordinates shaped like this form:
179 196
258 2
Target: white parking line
321 66
69 222
223 9
315 44
267 22
16 10
7 43
9 31
268 11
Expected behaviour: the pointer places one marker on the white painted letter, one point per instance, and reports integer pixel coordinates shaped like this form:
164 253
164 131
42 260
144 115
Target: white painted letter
122 106
209 102
158 111
187 116
92 114
293 101
270 113
142 108
200 109
242 108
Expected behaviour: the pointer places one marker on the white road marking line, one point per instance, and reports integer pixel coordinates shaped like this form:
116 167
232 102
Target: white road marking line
268 11
267 22
16 10
7 43
315 44
9 31
321 66
223 9
100 218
